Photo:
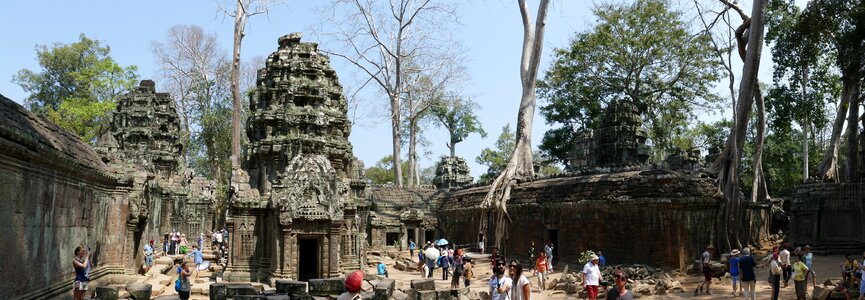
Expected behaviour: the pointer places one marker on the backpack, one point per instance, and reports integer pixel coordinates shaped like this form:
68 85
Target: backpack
177 285
458 269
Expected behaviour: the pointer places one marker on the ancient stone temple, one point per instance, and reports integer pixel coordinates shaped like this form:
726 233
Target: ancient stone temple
297 214
452 172
619 141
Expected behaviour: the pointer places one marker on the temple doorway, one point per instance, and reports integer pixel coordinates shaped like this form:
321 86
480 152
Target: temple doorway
429 236
308 259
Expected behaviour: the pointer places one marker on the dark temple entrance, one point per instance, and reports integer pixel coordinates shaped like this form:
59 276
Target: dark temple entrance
429 235
307 262
554 237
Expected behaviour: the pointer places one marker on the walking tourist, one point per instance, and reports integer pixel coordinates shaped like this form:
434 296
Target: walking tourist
183 274
800 272
166 245
148 256
784 260
849 268
445 263
775 271
602 261
411 247
432 254
80 264
458 267
469 271
619 290
734 272
749 279
382 269
175 240
522 289
197 258
592 277
548 249
705 260
481 243
808 258
500 284
541 270
352 286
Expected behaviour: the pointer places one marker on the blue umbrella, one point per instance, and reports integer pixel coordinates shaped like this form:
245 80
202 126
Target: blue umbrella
442 242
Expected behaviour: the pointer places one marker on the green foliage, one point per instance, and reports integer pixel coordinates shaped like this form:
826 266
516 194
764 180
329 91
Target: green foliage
585 257
497 159
782 161
705 136
213 141
77 85
382 171
640 51
457 115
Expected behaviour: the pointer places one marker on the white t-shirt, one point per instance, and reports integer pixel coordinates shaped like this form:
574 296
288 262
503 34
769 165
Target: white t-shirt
707 257
495 283
593 274
784 257
517 291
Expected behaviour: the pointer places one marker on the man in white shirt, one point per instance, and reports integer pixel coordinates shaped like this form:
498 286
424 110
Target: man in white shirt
592 277
500 284
784 260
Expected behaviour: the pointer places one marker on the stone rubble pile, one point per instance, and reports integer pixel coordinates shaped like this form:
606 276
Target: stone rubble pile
643 281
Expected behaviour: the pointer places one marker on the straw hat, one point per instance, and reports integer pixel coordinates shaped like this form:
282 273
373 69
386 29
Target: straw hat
734 252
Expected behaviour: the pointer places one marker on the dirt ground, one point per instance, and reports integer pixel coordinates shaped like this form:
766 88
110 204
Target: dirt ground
824 266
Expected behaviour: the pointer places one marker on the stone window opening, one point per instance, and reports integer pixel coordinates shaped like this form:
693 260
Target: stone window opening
392 238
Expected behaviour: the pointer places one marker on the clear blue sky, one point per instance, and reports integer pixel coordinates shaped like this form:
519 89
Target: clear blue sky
490 30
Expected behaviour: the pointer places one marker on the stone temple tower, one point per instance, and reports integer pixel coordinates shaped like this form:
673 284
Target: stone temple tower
298 217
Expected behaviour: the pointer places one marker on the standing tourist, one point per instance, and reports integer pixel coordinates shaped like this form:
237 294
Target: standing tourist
184 244
602 261
411 247
786 266
175 240
800 273
183 274
541 270
775 275
353 285
861 286
522 289
734 272
500 284
458 268
166 245
548 249
481 242
749 279
445 263
148 256
592 277
469 272
201 241
620 291
808 258
432 254
705 266
80 263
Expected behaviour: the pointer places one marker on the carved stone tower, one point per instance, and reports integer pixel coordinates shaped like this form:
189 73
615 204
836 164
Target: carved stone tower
452 172
293 221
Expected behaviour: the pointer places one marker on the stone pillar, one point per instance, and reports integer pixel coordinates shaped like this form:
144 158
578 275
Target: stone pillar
333 251
129 245
288 258
167 212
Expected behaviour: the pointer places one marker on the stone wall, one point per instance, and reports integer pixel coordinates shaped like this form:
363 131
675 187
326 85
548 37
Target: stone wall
653 217
55 194
407 213
829 216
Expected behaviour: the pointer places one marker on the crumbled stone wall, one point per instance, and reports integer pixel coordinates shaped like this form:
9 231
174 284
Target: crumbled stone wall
653 217
828 216
406 212
55 194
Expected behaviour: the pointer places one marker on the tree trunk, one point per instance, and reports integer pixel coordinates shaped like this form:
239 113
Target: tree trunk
412 152
828 169
239 25
395 119
853 134
806 126
520 164
727 165
759 192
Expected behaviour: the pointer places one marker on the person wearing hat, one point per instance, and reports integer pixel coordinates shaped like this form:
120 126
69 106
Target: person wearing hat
619 291
734 272
592 277
705 261
148 256
353 283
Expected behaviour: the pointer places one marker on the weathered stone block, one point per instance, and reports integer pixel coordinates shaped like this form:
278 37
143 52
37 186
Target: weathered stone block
167 297
411 294
426 284
290 287
399 295
250 297
139 291
106 293
330 286
278 297
443 294
387 285
233 290
426 295
218 291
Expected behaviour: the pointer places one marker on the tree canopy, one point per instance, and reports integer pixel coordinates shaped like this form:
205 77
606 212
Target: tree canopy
643 52
77 85
458 116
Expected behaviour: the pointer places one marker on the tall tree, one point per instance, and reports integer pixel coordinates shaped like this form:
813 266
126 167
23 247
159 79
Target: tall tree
520 164
668 74
77 85
389 42
457 116
727 165
244 9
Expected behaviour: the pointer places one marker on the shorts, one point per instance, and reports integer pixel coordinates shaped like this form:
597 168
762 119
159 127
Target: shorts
79 285
148 260
592 291
735 279
707 274
861 288
801 286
